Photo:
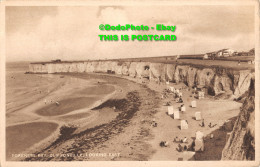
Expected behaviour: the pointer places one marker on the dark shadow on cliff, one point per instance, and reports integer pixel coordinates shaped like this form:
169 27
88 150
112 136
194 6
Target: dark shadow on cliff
214 147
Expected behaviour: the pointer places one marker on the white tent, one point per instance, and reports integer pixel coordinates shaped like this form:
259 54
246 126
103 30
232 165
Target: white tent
199 135
176 114
167 82
184 124
193 104
198 116
170 110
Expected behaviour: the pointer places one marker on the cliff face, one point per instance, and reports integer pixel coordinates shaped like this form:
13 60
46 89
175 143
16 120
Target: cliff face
218 81
241 143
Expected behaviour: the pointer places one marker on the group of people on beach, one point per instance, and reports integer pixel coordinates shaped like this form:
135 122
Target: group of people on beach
180 142
51 101
183 144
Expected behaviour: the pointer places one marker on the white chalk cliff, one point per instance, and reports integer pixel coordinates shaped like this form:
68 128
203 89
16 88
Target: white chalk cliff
233 83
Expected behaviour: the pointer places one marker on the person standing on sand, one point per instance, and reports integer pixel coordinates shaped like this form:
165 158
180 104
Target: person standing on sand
176 139
179 149
185 148
180 100
202 123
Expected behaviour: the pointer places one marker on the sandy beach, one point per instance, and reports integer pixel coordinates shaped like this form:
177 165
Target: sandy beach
108 117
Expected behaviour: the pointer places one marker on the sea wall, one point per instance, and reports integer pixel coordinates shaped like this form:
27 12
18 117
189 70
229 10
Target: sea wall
218 81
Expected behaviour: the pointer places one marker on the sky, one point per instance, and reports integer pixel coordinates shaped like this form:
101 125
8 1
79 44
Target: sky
71 33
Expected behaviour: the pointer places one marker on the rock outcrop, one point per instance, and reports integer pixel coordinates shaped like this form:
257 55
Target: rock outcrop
241 143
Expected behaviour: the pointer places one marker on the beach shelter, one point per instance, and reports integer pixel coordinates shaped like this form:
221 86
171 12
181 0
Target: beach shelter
183 108
199 135
176 114
184 124
199 145
198 116
193 104
170 110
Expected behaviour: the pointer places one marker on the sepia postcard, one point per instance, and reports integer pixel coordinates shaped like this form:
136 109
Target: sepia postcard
129 83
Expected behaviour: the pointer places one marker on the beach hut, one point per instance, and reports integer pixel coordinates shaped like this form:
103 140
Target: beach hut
176 114
199 135
170 110
199 145
172 89
201 94
193 104
183 108
177 91
184 124
198 116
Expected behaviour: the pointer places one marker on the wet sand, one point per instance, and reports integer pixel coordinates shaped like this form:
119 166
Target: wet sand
67 105
21 137
97 90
